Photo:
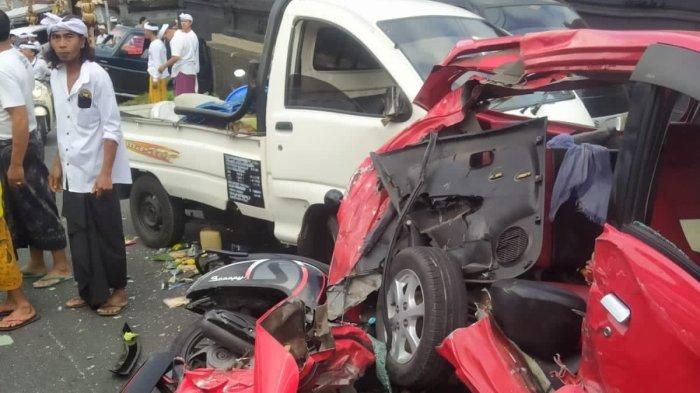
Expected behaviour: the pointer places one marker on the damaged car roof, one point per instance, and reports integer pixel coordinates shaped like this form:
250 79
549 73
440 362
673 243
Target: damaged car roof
521 64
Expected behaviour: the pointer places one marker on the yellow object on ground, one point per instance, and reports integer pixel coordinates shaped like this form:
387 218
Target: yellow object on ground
210 239
10 274
157 91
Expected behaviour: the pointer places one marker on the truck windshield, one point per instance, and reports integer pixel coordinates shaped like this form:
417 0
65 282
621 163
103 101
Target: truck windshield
426 40
521 19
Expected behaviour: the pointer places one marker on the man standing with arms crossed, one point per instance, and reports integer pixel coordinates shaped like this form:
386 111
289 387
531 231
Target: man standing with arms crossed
184 48
91 158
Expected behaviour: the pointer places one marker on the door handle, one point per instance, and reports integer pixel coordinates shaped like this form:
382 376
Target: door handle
284 126
617 309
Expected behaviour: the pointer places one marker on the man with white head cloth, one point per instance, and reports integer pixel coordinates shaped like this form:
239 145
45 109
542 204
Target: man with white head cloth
92 158
157 56
41 69
184 48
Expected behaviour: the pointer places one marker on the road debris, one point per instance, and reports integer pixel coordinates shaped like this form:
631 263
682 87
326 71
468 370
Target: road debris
174 302
179 262
6 340
130 353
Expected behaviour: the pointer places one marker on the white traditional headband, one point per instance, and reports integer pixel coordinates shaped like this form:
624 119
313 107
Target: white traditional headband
186 17
150 27
34 47
74 25
162 31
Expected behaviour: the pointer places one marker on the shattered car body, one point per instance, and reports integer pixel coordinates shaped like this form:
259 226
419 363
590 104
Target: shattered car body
446 224
383 213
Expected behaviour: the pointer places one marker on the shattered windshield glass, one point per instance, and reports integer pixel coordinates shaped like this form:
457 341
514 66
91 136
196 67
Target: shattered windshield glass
426 40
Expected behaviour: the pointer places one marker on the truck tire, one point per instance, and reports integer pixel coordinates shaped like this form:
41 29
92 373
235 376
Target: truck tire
159 219
432 302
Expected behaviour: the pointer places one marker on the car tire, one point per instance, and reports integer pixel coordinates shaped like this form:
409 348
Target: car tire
159 220
442 293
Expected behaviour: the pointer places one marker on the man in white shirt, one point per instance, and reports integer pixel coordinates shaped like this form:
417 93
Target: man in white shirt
41 68
102 37
157 56
92 158
184 49
21 170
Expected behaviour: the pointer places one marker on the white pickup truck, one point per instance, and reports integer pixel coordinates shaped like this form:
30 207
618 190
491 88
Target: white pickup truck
335 80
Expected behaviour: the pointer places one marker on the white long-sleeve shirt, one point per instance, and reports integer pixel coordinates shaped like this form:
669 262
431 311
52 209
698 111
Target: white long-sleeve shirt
86 116
157 56
42 72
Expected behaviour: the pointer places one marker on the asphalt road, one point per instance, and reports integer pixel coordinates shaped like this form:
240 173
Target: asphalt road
73 350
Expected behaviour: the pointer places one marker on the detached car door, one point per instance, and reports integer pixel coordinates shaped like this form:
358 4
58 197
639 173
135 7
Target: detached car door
642 327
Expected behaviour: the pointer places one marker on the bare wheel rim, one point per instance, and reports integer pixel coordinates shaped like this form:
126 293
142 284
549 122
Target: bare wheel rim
406 312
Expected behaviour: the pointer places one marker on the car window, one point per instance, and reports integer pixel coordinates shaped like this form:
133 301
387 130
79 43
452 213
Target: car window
336 51
521 19
426 41
115 37
331 70
135 46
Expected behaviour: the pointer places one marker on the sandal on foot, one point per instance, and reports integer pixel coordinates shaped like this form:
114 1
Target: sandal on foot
19 323
111 310
76 302
50 281
29 275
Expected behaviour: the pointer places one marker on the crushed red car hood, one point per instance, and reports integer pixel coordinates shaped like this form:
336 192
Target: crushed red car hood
542 59
503 67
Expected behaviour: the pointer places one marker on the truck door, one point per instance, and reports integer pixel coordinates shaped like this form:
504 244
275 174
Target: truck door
324 116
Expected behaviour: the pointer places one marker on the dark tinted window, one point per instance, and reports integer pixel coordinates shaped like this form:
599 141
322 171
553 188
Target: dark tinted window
337 51
523 19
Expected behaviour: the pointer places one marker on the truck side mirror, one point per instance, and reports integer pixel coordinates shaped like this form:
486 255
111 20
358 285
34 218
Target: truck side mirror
397 109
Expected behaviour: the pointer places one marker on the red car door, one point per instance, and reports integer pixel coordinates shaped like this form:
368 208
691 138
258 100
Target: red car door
642 327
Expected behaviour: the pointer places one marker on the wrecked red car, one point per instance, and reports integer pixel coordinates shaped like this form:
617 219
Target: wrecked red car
520 255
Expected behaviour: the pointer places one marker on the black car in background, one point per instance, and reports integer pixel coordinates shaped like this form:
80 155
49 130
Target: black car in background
124 55
523 16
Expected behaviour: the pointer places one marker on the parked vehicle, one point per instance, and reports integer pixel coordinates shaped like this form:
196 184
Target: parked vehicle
124 55
43 108
341 91
452 212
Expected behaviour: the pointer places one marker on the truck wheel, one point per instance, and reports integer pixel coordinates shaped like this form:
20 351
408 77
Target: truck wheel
426 300
159 220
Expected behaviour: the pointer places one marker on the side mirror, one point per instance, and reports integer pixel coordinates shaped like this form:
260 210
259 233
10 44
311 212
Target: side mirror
397 109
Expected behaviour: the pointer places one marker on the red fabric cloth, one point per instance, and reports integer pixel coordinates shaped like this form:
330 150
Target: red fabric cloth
185 84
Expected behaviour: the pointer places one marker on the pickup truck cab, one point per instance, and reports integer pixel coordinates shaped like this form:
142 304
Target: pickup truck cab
334 82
